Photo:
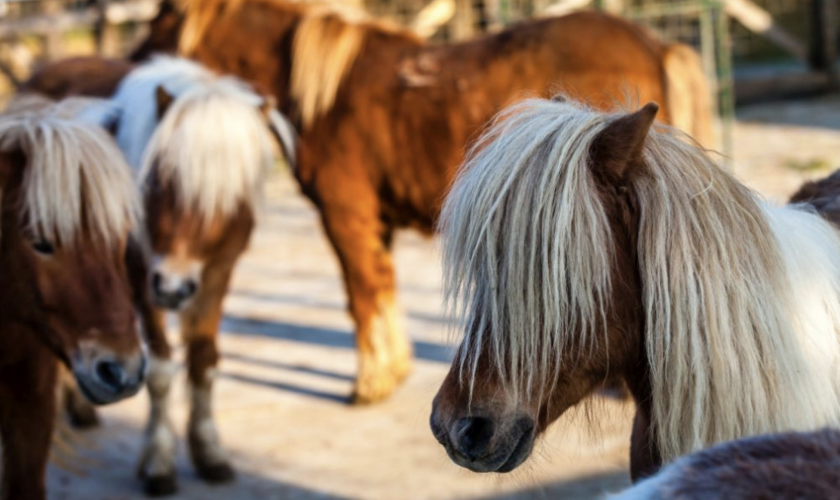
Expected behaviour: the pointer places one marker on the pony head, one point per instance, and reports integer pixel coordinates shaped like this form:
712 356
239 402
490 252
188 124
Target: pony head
583 247
539 235
68 204
202 144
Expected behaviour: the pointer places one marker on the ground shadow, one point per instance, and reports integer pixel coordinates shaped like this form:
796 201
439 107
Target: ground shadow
594 486
821 111
287 366
282 386
103 462
240 325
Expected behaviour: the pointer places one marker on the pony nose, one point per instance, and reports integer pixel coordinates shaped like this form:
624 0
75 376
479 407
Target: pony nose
112 375
172 293
115 379
472 436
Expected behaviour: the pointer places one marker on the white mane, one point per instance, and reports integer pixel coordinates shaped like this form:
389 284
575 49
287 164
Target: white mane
76 181
213 143
742 309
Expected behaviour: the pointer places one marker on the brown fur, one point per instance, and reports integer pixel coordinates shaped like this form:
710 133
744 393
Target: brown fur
823 195
88 76
383 155
49 308
172 228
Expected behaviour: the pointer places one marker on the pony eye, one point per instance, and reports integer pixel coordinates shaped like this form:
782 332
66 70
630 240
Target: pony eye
43 247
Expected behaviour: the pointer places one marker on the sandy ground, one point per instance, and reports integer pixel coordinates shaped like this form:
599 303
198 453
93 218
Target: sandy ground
288 363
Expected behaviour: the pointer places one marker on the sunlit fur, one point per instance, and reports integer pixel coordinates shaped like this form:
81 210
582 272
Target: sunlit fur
326 45
741 298
327 42
213 143
76 181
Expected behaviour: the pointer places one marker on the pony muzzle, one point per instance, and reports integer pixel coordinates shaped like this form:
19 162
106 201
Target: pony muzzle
481 442
104 377
173 291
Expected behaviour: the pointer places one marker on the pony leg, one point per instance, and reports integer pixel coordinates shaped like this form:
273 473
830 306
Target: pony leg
27 412
81 412
200 324
644 455
384 348
157 461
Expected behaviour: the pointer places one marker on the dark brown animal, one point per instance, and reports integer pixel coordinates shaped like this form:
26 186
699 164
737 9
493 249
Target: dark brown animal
823 195
65 291
791 466
384 119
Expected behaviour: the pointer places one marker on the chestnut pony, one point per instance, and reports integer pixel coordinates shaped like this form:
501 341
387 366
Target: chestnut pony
201 145
384 118
582 247
68 204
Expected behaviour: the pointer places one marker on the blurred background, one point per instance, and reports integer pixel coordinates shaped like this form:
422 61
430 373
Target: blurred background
288 356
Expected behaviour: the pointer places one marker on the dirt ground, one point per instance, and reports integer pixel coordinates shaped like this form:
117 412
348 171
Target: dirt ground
288 362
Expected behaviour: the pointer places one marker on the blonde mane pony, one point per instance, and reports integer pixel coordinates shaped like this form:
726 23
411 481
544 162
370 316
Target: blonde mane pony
741 305
327 42
76 181
213 143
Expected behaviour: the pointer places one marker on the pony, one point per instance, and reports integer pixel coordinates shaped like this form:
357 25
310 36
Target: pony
383 119
583 247
67 206
201 145
787 466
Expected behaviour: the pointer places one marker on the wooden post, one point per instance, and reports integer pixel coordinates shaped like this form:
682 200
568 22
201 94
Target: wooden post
106 34
52 39
462 27
822 52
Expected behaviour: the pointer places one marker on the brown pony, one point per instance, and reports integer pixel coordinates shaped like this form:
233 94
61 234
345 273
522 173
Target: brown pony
201 145
790 466
384 117
68 204
583 247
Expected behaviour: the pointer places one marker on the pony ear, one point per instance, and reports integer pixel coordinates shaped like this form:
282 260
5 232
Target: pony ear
163 99
619 147
280 126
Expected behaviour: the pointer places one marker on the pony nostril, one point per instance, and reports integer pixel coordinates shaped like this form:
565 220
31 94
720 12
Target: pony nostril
474 435
189 288
157 282
111 374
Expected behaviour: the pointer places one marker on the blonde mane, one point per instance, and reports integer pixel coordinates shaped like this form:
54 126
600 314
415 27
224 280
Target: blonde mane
742 317
327 42
213 143
76 181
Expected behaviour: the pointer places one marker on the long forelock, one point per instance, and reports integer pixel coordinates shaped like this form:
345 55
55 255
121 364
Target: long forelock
527 247
214 146
76 183
213 143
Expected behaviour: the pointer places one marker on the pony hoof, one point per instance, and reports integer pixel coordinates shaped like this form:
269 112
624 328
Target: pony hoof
359 398
160 486
216 473
401 372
